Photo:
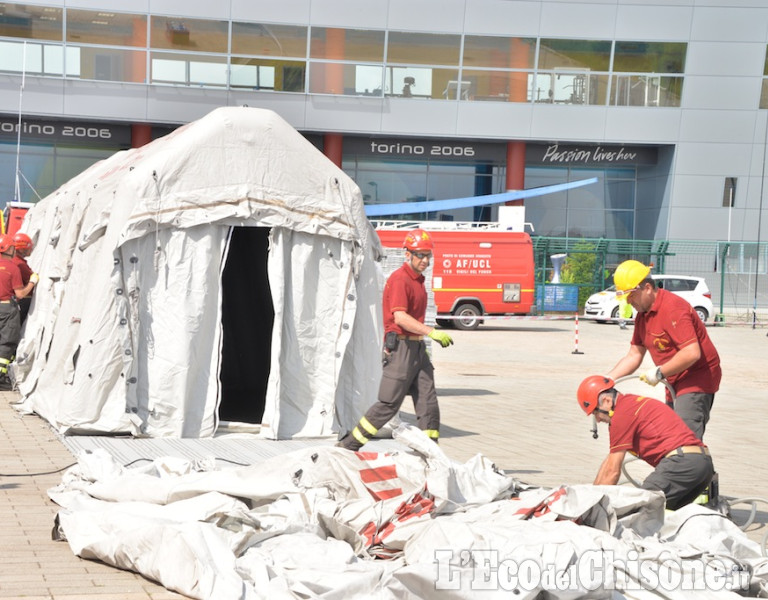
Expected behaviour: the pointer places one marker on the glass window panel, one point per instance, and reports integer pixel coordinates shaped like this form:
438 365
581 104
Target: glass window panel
14 57
499 52
347 44
644 90
591 55
620 194
285 75
571 87
500 86
199 35
337 78
423 48
610 224
53 60
207 72
72 61
403 185
765 65
422 82
106 28
169 70
29 21
764 94
266 39
190 69
368 80
649 57
106 64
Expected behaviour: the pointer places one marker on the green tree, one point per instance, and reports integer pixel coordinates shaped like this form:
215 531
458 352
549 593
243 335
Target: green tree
579 268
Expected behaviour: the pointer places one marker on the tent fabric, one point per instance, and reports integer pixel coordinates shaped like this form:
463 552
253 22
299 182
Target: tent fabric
326 523
124 334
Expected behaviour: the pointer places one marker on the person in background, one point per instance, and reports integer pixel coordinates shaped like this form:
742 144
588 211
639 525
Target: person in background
650 429
669 329
12 288
407 365
625 312
24 246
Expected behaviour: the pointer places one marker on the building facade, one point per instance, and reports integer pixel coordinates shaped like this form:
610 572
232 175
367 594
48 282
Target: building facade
663 102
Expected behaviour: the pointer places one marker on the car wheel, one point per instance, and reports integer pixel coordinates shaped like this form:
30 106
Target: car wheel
615 312
468 317
444 323
703 314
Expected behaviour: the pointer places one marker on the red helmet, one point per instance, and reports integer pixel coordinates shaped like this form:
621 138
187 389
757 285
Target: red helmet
6 243
590 390
22 241
418 239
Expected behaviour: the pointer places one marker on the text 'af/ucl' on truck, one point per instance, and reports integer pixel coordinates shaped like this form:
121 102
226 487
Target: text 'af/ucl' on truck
478 269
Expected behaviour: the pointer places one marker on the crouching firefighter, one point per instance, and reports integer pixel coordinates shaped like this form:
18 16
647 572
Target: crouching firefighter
653 431
407 366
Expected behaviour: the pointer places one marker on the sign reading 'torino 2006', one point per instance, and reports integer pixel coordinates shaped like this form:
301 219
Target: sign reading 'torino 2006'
89 133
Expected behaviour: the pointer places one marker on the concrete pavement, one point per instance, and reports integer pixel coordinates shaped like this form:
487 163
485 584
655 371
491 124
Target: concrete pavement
506 391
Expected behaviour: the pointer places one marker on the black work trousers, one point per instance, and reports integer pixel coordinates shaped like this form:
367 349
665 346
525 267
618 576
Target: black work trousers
682 477
10 333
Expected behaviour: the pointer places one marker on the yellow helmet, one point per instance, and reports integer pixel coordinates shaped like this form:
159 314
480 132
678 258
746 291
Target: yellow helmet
629 274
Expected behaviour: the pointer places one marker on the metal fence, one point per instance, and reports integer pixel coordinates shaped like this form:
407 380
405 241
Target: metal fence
736 272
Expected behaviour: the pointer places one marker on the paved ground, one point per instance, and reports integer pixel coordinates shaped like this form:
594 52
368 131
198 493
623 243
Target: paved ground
506 390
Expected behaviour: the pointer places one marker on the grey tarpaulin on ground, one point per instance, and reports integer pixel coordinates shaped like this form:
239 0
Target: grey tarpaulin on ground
308 525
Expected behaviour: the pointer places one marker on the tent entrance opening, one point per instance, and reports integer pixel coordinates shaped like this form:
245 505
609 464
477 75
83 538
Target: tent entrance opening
247 317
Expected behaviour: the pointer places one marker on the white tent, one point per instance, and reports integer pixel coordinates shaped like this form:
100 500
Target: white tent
223 272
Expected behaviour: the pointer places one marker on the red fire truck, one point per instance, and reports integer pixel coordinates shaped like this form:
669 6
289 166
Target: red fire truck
478 269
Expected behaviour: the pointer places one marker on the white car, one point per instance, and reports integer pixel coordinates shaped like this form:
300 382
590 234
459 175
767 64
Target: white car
604 305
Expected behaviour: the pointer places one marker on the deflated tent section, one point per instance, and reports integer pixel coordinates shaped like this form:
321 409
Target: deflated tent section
125 331
323 522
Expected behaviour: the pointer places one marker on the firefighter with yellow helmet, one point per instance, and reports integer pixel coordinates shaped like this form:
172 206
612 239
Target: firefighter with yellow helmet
407 366
651 430
668 328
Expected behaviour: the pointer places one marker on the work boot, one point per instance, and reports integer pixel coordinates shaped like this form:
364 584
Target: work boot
5 383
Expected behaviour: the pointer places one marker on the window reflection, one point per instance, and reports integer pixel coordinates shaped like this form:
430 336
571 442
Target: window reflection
649 57
344 61
267 74
200 35
267 39
344 79
106 64
189 69
423 48
347 44
499 52
564 86
584 55
107 28
646 90
31 22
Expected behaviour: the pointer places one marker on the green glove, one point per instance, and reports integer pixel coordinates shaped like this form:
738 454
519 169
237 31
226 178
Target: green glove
441 338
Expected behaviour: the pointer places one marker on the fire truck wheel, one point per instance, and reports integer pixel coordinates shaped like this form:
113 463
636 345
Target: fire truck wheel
444 323
468 317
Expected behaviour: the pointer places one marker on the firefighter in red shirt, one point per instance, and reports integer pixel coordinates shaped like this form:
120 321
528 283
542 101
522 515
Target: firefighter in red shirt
12 288
23 244
651 430
407 366
677 340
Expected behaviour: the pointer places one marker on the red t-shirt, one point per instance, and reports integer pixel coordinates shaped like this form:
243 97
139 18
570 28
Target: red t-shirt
405 291
23 268
648 428
10 278
672 324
